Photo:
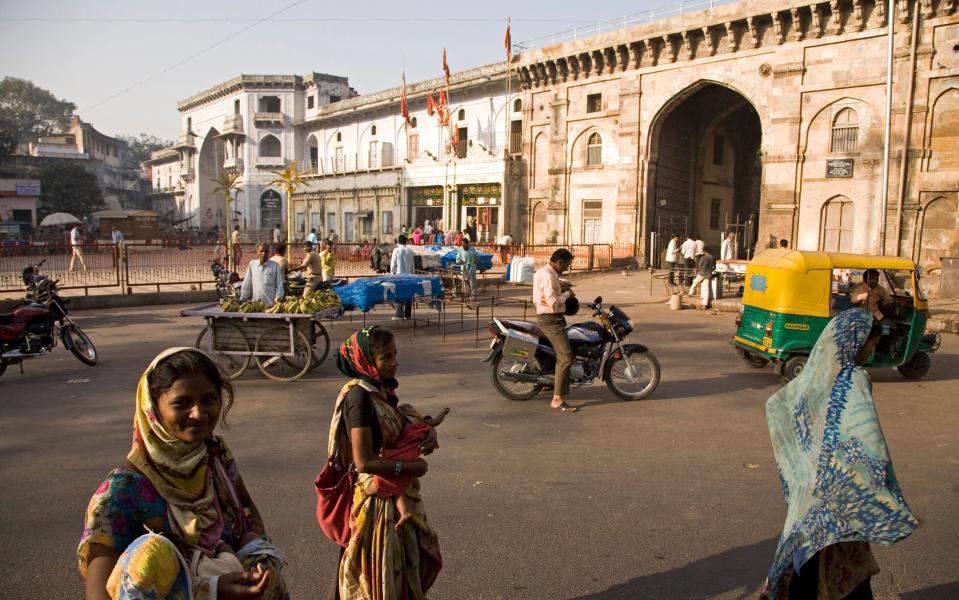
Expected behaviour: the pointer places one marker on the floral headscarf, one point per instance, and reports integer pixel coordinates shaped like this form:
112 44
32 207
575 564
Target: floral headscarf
181 472
355 359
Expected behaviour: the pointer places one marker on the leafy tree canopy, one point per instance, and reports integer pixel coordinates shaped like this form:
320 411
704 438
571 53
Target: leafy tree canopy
28 109
66 186
141 147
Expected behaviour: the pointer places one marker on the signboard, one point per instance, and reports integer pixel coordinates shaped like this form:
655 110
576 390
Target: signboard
426 196
839 167
28 188
270 201
481 194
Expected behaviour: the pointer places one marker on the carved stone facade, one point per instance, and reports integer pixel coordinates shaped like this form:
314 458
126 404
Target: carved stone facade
764 116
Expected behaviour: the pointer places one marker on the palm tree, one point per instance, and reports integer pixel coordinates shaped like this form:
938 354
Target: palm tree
226 182
289 179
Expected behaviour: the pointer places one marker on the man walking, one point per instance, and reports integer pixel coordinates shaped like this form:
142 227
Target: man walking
466 256
704 277
276 234
76 247
688 250
262 281
314 269
327 260
117 237
549 297
311 238
401 263
728 249
672 257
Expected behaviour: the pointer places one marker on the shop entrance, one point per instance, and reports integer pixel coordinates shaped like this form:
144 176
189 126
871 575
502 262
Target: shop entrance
481 205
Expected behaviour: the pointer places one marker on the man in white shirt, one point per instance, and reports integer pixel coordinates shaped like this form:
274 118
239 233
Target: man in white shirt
728 249
700 250
76 247
276 234
549 297
688 250
117 237
427 228
672 256
263 280
401 263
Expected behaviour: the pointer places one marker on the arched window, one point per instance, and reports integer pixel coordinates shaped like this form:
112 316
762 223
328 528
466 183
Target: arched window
461 115
271 211
270 146
413 123
373 130
517 105
845 131
838 220
594 150
269 104
313 147
339 136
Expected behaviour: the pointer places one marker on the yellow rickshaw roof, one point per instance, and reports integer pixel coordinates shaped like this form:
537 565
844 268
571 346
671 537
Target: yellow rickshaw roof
801 261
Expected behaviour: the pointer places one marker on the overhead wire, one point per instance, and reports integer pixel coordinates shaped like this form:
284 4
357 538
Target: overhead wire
187 20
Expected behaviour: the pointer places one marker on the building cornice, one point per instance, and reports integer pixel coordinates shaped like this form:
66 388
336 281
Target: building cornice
459 81
241 83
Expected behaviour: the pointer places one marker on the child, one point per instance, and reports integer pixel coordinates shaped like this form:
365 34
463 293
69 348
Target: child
407 449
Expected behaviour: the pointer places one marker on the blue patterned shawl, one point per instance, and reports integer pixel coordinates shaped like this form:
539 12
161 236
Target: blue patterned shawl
834 467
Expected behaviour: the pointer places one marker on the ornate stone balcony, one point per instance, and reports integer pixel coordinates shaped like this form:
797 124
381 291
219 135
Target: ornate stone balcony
188 175
269 162
186 140
268 118
236 164
233 125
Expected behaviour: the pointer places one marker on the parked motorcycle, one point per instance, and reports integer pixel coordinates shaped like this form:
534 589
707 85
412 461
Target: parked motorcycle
31 327
228 282
522 361
295 284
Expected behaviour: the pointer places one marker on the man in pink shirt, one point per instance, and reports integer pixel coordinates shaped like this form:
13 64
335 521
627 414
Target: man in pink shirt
549 297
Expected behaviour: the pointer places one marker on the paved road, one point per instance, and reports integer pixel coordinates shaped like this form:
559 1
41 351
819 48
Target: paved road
673 497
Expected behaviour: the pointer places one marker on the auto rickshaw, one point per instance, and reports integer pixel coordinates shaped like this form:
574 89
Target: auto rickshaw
789 296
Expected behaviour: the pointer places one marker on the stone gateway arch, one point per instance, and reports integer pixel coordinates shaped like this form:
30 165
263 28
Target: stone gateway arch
753 116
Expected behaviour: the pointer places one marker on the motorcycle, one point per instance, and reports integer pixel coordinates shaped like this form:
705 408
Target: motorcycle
522 360
228 282
30 328
295 284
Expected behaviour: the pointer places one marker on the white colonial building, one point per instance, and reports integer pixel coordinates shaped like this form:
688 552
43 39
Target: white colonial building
369 172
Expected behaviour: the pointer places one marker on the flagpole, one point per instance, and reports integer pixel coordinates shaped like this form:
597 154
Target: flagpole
506 109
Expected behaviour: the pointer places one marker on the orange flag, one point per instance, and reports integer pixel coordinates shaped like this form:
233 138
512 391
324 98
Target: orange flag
508 42
430 105
404 107
446 68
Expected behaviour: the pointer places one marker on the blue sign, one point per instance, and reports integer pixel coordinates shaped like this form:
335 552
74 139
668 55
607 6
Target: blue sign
28 188
757 283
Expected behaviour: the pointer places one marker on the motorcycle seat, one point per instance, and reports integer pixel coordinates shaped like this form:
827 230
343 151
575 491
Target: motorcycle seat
523 326
6 319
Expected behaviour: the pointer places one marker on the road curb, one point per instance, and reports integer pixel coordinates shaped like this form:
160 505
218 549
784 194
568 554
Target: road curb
108 301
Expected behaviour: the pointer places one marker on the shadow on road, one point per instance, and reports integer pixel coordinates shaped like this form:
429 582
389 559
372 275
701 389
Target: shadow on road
946 590
714 386
740 569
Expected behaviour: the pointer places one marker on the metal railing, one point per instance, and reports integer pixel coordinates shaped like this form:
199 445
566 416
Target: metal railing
631 20
96 266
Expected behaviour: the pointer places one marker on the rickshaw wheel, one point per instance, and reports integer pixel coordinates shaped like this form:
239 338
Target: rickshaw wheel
794 366
917 366
754 360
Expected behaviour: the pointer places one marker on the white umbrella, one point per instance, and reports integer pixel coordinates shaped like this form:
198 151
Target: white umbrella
59 218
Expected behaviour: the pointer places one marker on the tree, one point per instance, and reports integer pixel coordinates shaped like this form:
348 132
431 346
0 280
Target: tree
142 147
226 183
289 179
66 186
27 109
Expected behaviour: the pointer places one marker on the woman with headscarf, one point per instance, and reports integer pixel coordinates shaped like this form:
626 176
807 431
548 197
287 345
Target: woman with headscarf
381 560
176 521
837 478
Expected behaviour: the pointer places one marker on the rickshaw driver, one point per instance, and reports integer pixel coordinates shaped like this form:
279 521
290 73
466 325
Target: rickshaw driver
871 296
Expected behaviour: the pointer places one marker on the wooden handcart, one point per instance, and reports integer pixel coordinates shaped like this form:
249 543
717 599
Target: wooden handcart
284 345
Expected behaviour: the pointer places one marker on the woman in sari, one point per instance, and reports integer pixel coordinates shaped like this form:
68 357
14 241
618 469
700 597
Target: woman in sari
176 521
381 561
837 478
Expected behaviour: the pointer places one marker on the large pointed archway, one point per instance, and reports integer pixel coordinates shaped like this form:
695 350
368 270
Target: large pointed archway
705 168
209 203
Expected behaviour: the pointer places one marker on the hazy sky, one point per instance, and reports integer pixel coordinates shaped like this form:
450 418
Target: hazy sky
86 52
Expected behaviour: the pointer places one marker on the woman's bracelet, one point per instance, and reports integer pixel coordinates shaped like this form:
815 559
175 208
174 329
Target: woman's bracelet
397 468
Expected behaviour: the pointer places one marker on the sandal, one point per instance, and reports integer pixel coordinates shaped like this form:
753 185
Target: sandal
566 408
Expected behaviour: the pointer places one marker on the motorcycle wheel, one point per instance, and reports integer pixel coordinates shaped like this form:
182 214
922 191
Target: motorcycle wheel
514 390
81 346
633 376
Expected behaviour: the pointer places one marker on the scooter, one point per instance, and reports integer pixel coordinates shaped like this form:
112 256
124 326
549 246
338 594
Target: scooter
31 328
228 282
522 360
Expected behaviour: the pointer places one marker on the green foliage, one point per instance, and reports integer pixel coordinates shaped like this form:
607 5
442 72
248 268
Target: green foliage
66 186
143 146
28 109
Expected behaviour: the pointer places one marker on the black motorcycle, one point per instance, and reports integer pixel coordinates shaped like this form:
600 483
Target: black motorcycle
295 284
31 328
522 360
228 282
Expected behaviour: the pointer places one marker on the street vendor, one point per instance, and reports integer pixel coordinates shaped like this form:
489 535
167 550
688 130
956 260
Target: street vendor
263 280
311 264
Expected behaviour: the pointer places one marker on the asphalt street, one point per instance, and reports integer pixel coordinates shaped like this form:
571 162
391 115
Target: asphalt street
676 496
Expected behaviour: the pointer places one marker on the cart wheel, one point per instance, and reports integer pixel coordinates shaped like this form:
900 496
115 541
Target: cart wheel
232 364
321 345
277 366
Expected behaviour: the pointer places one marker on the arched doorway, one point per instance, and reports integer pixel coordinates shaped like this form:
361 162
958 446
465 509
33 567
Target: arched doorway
940 231
539 227
704 169
838 225
210 204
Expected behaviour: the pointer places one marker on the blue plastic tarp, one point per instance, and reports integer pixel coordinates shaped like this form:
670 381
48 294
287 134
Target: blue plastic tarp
484 260
364 294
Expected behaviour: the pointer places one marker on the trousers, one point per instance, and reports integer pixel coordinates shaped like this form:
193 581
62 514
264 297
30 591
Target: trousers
554 328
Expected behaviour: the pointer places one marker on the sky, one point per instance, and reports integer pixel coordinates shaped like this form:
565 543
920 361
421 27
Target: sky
118 60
